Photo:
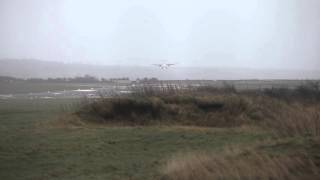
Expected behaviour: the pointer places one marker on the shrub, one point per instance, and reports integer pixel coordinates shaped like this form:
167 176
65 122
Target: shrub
309 92
175 109
134 110
292 117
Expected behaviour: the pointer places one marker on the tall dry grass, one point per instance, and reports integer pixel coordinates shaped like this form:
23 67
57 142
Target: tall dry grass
295 120
278 110
248 165
210 111
286 118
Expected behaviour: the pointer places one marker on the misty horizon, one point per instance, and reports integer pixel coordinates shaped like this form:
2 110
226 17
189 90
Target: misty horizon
277 35
177 65
46 69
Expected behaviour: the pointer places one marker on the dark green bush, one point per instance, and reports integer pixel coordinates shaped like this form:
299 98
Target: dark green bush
175 109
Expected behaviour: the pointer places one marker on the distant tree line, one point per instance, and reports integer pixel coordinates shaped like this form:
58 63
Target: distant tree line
77 79
147 80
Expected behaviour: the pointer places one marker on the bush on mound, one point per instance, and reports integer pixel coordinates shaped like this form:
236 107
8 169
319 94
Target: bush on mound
211 108
183 110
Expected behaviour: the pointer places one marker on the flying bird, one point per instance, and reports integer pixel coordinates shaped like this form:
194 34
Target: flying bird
163 66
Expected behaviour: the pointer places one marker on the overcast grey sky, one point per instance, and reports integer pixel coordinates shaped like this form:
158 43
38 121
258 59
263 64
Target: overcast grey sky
228 33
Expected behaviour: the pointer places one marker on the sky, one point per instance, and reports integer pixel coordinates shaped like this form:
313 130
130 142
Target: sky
275 34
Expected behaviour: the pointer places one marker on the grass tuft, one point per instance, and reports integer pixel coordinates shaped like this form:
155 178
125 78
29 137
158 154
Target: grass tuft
238 165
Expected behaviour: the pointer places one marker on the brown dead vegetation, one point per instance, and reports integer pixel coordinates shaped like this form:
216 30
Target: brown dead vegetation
237 164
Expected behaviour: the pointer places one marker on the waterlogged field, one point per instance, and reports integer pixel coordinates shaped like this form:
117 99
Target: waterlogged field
33 149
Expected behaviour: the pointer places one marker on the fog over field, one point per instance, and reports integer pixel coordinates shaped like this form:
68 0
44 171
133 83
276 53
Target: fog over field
44 69
206 38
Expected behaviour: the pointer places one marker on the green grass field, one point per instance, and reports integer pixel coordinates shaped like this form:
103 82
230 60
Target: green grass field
30 150
36 142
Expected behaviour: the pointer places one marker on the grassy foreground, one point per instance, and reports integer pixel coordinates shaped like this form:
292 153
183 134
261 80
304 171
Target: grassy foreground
31 150
36 143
